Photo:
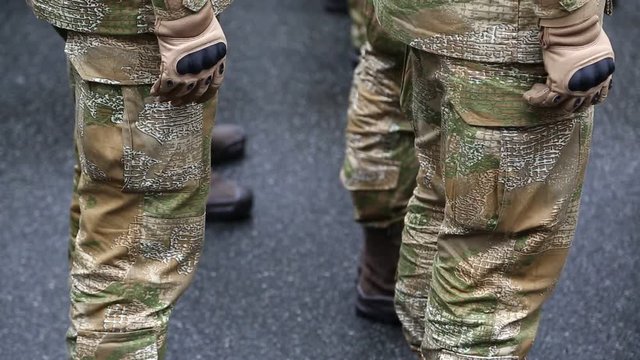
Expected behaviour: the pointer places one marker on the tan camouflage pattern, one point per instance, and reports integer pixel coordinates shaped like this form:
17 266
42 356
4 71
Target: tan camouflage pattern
380 165
115 17
137 214
115 60
492 219
502 31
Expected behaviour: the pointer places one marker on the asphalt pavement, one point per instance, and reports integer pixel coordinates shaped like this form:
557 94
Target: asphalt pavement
281 285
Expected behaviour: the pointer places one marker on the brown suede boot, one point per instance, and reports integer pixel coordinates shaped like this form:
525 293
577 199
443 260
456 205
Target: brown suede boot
228 200
227 143
377 271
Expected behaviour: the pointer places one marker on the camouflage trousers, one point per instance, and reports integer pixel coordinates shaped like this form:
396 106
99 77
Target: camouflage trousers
490 224
137 217
380 165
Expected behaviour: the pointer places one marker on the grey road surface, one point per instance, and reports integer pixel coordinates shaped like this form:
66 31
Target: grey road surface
281 285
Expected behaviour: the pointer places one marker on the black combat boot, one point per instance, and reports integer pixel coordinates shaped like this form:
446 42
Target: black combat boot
227 200
377 270
227 143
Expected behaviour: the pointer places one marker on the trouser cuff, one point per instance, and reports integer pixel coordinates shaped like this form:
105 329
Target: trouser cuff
448 355
140 344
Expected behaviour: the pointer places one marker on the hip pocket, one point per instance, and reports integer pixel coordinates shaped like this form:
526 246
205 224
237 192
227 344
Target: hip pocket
126 138
471 161
369 163
98 129
165 148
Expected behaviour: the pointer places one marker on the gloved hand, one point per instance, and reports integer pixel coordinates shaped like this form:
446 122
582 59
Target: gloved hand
579 62
193 51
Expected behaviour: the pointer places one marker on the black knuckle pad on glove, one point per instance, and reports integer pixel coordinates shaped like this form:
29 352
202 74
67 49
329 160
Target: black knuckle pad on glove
202 59
592 75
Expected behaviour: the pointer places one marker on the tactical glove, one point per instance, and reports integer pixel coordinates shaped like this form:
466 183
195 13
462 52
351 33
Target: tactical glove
193 50
579 62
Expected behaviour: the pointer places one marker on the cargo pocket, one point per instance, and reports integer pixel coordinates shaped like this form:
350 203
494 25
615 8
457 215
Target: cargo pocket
471 159
164 147
367 166
98 129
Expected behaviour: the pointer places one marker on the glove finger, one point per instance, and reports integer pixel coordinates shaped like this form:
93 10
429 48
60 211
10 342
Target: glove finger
183 97
572 104
164 86
186 89
155 87
200 88
587 103
536 95
172 95
541 96
604 92
218 76
208 95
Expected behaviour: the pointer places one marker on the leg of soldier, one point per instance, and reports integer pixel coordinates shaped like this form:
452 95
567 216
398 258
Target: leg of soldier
512 178
425 211
142 192
380 168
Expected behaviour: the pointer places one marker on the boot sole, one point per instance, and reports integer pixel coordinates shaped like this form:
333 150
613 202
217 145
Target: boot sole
376 308
231 212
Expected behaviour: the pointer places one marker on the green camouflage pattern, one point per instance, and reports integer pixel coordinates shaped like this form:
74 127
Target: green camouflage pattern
492 219
114 60
137 215
380 165
502 31
114 17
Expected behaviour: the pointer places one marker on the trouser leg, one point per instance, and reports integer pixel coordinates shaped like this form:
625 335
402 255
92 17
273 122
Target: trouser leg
141 193
426 207
505 238
380 164
380 167
511 202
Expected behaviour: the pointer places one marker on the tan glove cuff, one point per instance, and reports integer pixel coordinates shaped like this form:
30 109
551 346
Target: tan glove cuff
580 34
587 11
187 26
170 10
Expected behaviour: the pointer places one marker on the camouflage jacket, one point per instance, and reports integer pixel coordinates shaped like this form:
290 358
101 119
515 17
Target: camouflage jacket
114 17
93 48
503 31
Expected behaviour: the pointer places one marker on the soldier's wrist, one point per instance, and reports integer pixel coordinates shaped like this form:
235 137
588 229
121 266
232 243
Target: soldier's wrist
579 34
190 25
170 10
578 16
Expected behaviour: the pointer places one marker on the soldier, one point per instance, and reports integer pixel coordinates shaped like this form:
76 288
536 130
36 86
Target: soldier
380 166
145 77
500 96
